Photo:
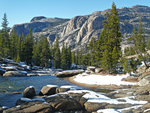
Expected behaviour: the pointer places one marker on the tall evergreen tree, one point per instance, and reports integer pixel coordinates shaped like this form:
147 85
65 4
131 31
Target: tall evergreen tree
139 43
57 56
45 53
64 57
68 58
36 58
4 38
73 57
28 48
109 41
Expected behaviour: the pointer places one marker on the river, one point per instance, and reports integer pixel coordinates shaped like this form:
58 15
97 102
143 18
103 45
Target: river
8 85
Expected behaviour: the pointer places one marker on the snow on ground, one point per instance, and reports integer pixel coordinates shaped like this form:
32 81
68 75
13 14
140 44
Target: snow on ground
101 98
93 79
108 111
71 87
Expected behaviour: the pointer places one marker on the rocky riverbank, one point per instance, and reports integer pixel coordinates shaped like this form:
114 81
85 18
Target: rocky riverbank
9 68
72 99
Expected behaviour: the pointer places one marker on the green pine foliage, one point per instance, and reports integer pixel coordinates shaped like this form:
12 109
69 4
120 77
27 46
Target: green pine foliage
108 50
36 58
4 38
57 55
64 57
139 42
45 52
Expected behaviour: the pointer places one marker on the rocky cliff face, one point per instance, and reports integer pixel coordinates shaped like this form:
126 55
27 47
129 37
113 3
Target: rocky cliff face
78 31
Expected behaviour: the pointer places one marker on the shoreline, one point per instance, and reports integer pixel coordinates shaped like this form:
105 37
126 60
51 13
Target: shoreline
108 87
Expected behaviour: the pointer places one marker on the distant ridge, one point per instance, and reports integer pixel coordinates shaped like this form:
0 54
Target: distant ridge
78 31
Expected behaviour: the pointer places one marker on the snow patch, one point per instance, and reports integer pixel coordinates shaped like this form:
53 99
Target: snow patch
108 111
31 86
146 110
52 86
71 87
102 79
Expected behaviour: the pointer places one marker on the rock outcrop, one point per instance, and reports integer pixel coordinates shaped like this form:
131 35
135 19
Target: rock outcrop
84 101
78 31
69 73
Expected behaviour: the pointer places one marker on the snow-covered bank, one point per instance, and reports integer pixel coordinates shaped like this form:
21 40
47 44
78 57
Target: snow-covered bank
94 79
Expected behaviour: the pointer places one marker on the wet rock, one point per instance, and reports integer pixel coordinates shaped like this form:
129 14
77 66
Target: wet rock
3 108
2 71
69 73
48 90
23 101
30 107
29 92
15 73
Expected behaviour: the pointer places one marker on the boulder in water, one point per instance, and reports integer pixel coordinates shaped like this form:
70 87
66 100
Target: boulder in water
48 90
15 73
29 92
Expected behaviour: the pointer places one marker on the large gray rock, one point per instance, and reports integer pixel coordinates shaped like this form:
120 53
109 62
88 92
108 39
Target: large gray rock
29 92
15 73
10 68
31 107
78 31
145 81
48 90
64 103
69 73
93 107
91 68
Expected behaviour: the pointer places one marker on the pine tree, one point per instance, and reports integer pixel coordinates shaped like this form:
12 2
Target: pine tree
45 52
13 46
18 49
57 56
73 57
91 49
109 40
28 48
36 58
4 38
64 57
139 43
68 59
106 61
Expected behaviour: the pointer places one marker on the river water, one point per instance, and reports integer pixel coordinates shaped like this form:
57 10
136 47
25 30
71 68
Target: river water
8 85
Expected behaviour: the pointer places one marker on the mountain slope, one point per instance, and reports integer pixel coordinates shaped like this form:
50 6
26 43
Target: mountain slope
78 31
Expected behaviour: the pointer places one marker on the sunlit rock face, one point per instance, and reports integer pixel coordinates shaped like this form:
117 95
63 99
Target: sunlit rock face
78 31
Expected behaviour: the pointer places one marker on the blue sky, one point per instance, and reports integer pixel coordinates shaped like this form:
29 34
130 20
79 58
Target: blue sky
21 11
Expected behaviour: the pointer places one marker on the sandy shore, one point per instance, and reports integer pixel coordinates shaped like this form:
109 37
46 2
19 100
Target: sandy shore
111 87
